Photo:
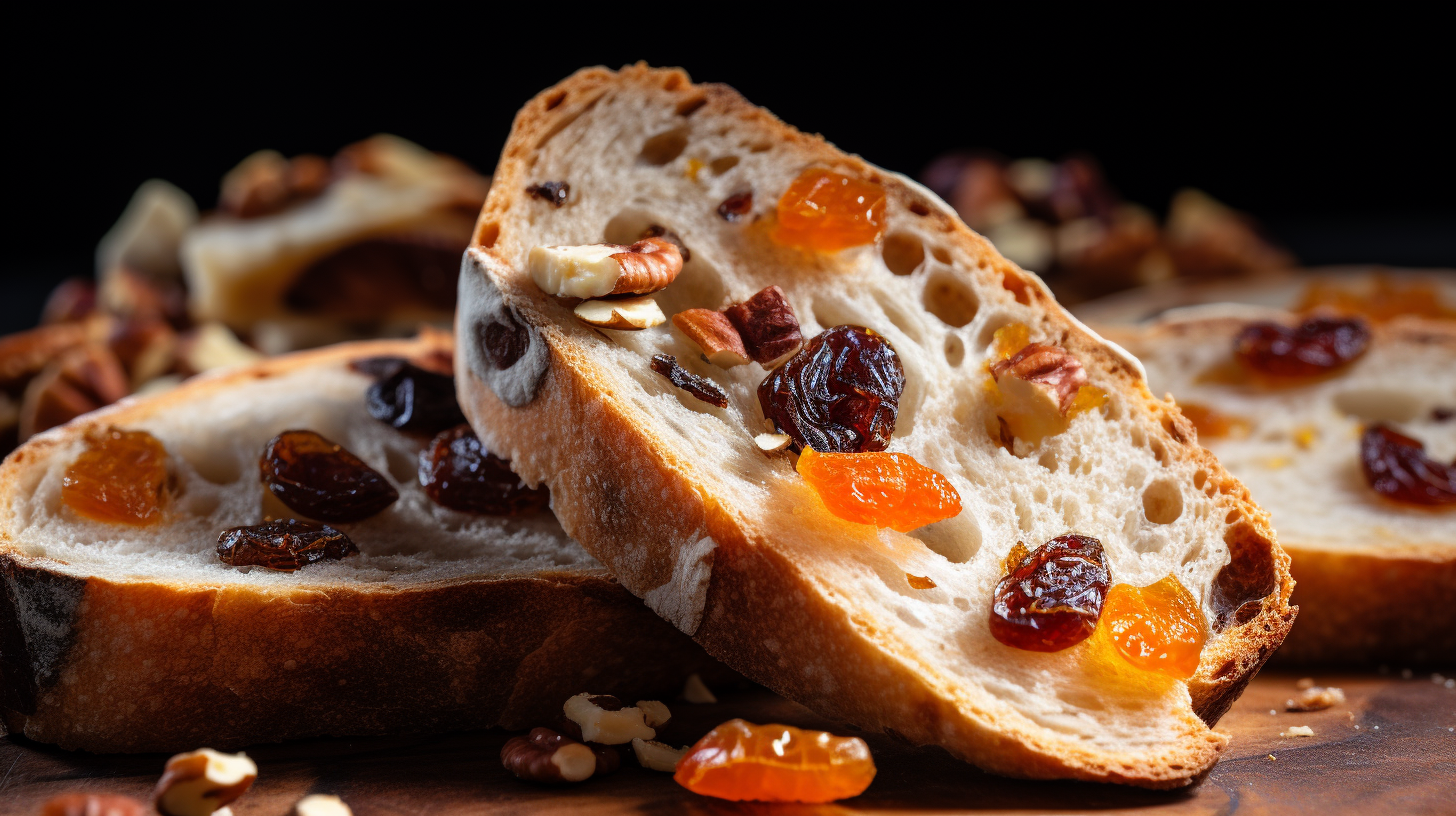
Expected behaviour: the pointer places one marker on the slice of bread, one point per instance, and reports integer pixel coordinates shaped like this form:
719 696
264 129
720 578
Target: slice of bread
118 638
1376 579
730 544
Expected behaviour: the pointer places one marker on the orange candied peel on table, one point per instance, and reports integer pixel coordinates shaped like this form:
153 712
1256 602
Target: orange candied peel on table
1157 628
118 479
884 489
775 763
827 211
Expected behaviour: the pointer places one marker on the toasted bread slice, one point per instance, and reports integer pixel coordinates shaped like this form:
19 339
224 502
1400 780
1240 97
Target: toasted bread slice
1376 578
730 544
120 638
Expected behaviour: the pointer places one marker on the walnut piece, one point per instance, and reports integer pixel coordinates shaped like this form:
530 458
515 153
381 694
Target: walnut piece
1047 365
604 720
548 757
1315 698
200 782
714 334
80 380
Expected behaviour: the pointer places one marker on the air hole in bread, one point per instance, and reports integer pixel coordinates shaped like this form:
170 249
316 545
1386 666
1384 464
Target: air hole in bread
216 464
664 147
905 323
1017 286
903 253
1233 516
919 208
1162 502
199 504
760 147
1159 450
951 299
1243 583
688 107
1200 479
403 465
955 350
722 164
956 539
554 101
1048 460
962 604
487 234
940 253
1380 404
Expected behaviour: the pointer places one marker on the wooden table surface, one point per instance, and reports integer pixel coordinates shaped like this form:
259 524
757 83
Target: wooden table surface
1390 749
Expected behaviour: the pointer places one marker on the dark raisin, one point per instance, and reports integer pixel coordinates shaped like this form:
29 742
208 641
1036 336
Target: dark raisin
459 473
735 207
700 387
320 480
767 324
840 393
378 367
1052 599
415 400
659 231
504 342
1396 467
1442 414
554 192
1314 347
283 545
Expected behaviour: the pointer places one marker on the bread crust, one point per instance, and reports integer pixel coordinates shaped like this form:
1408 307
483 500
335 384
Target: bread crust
757 609
135 664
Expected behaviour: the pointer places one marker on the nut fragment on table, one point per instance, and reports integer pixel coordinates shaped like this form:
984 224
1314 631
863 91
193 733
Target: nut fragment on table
657 756
627 314
321 804
595 270
548 757
603 719
654 713
1297 731
93 804
1315 698
200 782
696 691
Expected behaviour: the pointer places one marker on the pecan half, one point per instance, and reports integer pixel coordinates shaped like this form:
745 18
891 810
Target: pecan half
548 757
596 270
713 333
1048 365
81 380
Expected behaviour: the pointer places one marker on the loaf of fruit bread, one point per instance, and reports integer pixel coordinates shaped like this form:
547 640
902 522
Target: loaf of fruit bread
1096 591
131 621
1344 429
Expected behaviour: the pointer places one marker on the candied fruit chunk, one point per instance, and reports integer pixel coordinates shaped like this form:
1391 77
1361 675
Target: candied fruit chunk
320 480
414 400
775 763
1212 424
457 472
827 211
1087 398
884 489
839 394
118 479
1397 467
1316 346
282 545
1158 628
1008 340
1051 600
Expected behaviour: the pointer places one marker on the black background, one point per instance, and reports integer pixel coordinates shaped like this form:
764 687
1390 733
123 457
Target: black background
1333 136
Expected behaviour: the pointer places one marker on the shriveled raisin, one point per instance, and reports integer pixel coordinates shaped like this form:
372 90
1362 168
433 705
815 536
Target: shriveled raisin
320 480
736 207
1316 346
415 400
283 545
839 394
1053 598
700 387
553 192
504 341
457 472
1397 467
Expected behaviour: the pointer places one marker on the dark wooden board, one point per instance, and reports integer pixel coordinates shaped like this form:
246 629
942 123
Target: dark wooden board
1390 749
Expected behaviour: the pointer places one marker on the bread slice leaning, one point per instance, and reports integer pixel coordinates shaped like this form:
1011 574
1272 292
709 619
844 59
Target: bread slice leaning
731 545
1376 579
117 638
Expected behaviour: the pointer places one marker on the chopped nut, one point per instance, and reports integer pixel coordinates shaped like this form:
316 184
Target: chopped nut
1036 387
655 714
199 782
213 345
146 348
73 299
770 442
548 757
1047 365
627 314
696 691
93 804
603 719
768 326
1315 698
657 756
24 354
1297 731
714 334
320 804
80 380
659 231
596 270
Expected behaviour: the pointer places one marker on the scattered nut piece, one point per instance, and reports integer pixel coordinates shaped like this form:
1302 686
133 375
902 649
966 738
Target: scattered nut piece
1047 365
596 270
1304 683
213 345
548 757
696 691
627 314
768 326
603 719
321 804
714 334
1272 759
1297 731
655 714
657 756
80 380
1315 698
199 782
770 442
1036 387
93 804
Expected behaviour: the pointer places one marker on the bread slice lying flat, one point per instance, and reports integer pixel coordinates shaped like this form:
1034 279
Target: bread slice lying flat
732 546
1376 578
120 638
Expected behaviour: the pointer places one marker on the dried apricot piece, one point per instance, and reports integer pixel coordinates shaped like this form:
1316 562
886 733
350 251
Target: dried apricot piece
118 479
283 545
1157 628
827 211
775 763
1051 597
884 489
1008 340
320 480
1213 424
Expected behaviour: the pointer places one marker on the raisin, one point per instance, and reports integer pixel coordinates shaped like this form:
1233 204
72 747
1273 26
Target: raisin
283 545
1396 467
659 231
700 387
415 400
553 192
457 472
839 394
1442 414
321 480
739 760
1314 347
735 207
1052 599
120 478
504 342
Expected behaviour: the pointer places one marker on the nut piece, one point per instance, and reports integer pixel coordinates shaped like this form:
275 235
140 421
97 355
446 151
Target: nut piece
714 334
320 804
1037 386
1297 731
770 442
657 756
93 804
596 270
80 380
603 719
200 782
213 345
1047 365
767 324
627 314
696 691
1315 698
655 714
548 757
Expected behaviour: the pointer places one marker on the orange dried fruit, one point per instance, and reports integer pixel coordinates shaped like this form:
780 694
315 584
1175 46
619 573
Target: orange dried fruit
1212 424
1158 628
118 479
884 489
827 211
1008 340
775 763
